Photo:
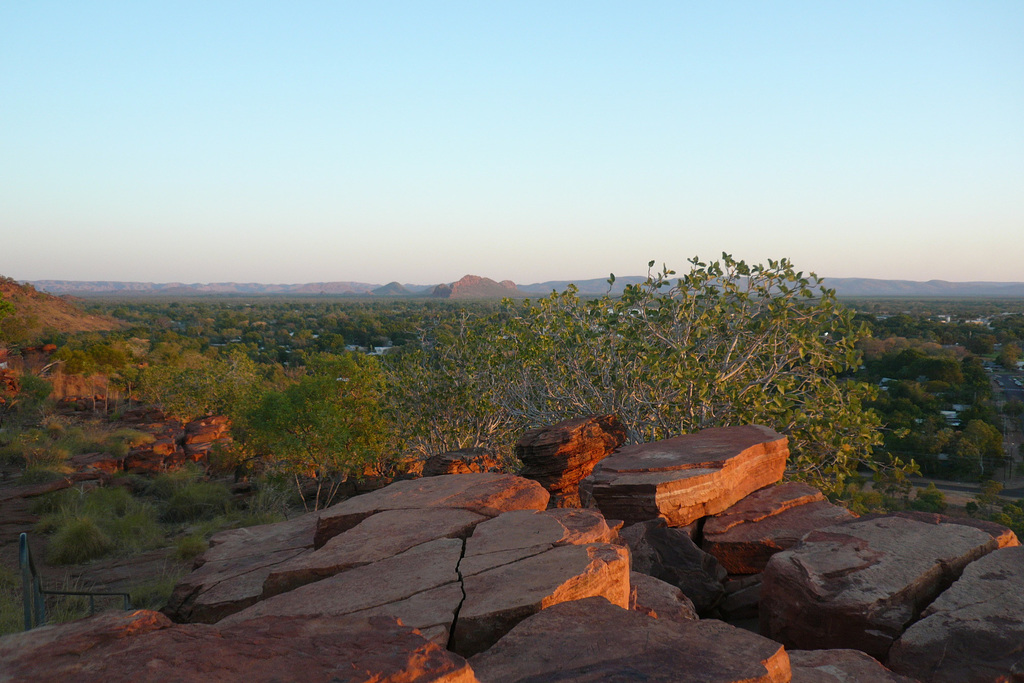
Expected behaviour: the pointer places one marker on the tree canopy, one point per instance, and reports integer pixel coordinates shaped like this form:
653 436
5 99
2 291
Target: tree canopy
724 344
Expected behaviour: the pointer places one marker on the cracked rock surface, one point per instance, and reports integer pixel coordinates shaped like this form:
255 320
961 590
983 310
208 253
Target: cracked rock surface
860 584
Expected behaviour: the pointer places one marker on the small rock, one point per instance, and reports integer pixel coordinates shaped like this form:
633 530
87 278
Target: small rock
658 599
465 461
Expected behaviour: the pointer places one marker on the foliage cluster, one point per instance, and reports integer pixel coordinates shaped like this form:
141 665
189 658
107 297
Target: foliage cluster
726 343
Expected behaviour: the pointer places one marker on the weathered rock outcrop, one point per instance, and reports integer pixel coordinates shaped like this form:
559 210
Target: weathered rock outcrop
560 456
592 640
1003 535
420 586
658 599
840 666
669 554
974 631
860 584
487 494
687 477
520 563
230 575
146 646
745 536
466 461
378 537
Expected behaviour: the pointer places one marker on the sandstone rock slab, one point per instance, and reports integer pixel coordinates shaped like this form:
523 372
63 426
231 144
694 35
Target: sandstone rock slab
497 599
592 640
230 575
377 537
487 494
860 584
974 631
560 456
1004 536
465 461
840 666
658 599
670 555
687 477
744 537
144 646
419 586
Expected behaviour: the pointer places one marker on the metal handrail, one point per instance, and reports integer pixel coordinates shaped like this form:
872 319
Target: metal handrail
33 594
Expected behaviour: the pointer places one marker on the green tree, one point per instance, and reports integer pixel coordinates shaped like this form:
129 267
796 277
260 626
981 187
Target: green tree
1009 356
326 426
202 386
725 344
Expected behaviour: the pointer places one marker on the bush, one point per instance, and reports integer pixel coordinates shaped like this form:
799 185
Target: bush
78 540
197 500
929 499
189 547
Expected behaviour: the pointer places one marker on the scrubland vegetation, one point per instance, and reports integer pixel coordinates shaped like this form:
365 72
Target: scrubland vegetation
860 392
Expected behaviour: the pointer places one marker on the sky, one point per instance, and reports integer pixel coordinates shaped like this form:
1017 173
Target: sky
420 141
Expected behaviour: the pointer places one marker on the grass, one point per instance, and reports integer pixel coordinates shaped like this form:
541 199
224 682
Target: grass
87 525
155 593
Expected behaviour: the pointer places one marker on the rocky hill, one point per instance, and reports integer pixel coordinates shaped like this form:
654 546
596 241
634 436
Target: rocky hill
36 312
497 578
476 287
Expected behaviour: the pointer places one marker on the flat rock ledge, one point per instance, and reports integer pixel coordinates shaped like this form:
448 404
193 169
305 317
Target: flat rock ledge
144 646
592 640
860 584
487 494
772 519
840 666
974 631
687 477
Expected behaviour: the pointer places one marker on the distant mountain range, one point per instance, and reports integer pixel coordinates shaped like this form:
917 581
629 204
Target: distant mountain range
475 287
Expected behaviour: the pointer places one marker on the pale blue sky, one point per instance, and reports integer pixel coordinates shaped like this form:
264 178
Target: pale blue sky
377 141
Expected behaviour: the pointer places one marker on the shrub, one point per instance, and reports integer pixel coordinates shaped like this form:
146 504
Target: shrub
929 499
189 547
78 540
197 500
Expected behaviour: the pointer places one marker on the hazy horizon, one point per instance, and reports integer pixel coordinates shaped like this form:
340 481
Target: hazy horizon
211 142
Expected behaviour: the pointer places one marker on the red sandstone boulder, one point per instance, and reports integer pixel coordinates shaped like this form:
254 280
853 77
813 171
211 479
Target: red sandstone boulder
420 587
1004 535
560 456
658 599
230 575
860 584
687 477
745 536
592 640
144 646
486 494
670 555
465 461
378 537
974 631
840 666
522 562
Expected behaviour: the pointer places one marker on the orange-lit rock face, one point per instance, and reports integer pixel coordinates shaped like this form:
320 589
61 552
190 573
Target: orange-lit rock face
146 646
688 477
560 456
744 537
487 494
593 640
